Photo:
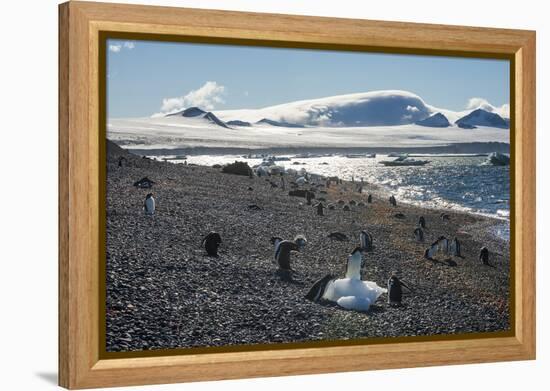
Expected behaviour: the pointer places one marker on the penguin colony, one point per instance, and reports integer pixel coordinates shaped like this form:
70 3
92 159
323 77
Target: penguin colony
351 291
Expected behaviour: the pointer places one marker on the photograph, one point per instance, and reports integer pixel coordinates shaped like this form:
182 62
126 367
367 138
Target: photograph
261 196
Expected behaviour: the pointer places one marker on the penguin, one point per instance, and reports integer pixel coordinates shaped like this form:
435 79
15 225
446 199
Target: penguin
369 199
211 242
419 235
352 203
399 215
484 256
365 240
431 251
341 202
122 161
149 204
395 290
443 244
316 291
455 248
361 204
353 265
422 222
250 188
338 236
282 254
445 216
320 208
346 208
309 196
393 201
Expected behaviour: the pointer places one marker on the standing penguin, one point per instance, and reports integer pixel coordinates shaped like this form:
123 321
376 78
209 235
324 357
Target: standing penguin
369 199
484 255
393 201
419 234
282 253
211 242
365 240
353 266
320 208
455 248
443 244
422 222
309 196
149 204
431 251
395 290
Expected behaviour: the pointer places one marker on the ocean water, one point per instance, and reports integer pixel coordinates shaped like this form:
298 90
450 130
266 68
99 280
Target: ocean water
447 182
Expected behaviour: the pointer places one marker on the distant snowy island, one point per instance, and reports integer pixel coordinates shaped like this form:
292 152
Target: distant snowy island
376 119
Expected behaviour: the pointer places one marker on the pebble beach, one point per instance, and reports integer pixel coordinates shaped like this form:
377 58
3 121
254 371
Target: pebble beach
165 292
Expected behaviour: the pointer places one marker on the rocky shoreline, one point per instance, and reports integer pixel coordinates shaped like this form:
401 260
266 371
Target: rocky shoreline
164 291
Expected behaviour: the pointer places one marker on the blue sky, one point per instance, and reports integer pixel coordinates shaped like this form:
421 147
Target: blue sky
146 77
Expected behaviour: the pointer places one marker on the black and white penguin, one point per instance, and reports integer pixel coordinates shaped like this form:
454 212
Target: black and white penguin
352 203
149 204
341 202
211 242
318 289
365 240
431 251
309 196
353 265
369 199
393 201
320 208
443 244
422 222
455 248
361 204
346 208
484 255
282 253
395 290
419 234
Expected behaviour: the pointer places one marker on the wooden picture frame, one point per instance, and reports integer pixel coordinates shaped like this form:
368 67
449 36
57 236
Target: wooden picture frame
81 25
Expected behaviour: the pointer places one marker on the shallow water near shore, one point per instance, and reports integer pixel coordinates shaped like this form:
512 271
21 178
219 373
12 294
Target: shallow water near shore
457 182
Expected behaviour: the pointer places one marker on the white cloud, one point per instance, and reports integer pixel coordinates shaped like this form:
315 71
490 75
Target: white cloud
205 97
117 47
481 103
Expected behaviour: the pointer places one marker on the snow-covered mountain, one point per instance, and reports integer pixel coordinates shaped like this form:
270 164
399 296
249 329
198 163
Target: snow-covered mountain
373 119
436 120
375 108
480 117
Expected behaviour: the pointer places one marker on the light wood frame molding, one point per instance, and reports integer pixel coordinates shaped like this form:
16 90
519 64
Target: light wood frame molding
80 159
